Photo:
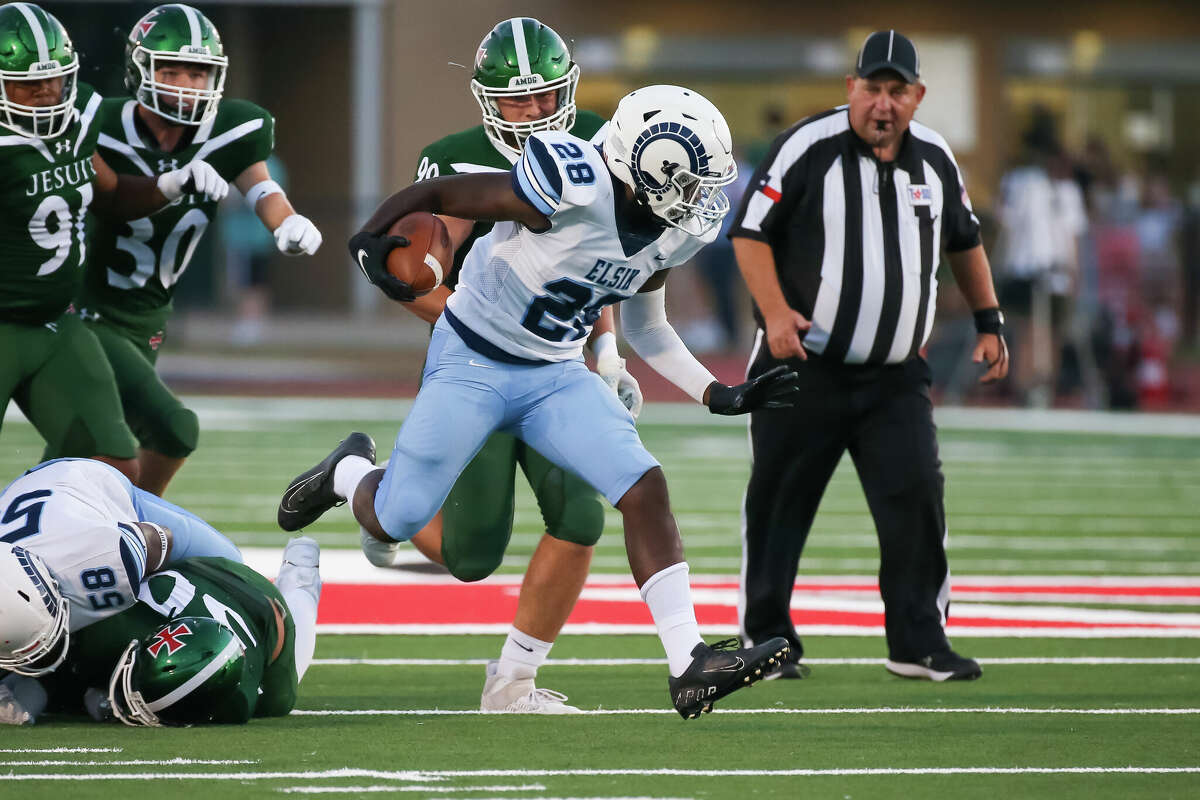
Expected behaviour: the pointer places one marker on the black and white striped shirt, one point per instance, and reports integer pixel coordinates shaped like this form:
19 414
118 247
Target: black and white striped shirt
856 240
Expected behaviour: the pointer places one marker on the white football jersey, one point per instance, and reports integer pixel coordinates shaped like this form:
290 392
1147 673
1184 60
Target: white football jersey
76 514
537 295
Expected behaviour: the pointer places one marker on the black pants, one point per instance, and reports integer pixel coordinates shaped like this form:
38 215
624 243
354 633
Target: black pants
882 415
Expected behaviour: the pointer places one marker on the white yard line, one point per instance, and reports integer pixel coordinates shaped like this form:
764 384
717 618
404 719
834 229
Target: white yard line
415 775
451 712
825 662
528 787
61 749
170 762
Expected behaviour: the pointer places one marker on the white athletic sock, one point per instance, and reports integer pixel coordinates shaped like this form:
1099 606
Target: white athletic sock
347 474
521 655
669 597
304 615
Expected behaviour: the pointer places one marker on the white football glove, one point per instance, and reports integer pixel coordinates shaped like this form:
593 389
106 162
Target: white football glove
197 177
296 235
611 369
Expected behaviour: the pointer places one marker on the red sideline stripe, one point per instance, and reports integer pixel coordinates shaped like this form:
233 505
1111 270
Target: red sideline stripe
426 604
771 192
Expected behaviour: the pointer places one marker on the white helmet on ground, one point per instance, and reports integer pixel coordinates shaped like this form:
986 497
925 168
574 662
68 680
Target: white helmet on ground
673 147
33 614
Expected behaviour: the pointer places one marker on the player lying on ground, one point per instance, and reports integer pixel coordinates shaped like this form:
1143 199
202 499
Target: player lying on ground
76 540
578 229
210 640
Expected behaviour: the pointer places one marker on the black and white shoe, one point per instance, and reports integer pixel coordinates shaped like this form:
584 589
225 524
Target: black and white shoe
720 669
790 669
310 494
944 665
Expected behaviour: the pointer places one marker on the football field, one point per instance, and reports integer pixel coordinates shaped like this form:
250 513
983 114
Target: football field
1076 560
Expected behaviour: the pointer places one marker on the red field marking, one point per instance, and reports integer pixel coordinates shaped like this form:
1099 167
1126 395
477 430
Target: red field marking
437 604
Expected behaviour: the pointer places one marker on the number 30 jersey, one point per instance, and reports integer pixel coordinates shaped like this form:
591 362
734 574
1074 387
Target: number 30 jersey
76 515
535 296
134 266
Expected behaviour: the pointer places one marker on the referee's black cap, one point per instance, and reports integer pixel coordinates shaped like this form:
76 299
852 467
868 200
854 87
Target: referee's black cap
889 50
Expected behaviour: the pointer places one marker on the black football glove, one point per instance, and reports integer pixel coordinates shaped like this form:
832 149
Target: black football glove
775 388
370 252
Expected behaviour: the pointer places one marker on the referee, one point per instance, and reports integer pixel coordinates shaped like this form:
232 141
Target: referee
838 237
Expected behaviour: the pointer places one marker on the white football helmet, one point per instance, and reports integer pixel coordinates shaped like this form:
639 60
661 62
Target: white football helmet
34 615
673 147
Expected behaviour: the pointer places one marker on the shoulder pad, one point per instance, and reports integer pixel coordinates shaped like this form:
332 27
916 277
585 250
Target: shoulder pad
557 171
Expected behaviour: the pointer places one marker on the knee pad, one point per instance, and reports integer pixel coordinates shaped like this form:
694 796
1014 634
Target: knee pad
173 432
473 552
470 567
571 509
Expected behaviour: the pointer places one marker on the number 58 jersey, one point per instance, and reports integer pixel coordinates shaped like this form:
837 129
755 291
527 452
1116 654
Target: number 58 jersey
535 296
76 514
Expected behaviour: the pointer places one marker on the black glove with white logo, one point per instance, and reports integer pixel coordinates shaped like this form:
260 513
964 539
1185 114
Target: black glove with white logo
370 253
775 388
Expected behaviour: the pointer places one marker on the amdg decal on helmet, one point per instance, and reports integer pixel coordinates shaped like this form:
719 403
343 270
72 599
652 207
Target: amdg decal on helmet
517 58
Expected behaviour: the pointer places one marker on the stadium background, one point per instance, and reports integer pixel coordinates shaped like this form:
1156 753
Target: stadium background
1077 565
358 87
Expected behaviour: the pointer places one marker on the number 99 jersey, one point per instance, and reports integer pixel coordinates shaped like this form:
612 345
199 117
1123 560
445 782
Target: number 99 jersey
76 515
535 296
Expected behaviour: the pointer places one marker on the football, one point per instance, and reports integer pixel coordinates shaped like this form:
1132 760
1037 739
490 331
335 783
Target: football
423 264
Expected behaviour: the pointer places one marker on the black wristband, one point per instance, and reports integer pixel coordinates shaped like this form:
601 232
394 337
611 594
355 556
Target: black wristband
989 320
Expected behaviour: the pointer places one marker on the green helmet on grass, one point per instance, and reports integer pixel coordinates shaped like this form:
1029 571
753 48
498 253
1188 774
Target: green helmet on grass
519 57
182 673
35 47
169 34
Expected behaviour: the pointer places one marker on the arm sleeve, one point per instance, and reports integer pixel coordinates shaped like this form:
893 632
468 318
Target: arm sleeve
190 535
644 323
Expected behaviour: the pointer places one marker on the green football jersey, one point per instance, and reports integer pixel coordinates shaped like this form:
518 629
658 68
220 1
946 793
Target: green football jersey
231 593
45 190
133 267
472 151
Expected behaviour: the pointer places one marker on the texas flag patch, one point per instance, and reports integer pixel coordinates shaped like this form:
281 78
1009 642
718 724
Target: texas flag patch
919 194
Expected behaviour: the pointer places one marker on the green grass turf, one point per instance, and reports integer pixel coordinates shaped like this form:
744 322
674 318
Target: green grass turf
1018 503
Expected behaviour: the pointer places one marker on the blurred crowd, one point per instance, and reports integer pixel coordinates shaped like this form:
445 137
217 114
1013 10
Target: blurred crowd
1097 265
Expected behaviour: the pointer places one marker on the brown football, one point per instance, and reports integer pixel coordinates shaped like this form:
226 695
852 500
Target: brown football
424 263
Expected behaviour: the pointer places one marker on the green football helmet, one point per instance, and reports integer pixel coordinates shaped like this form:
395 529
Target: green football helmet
181 674
35 47
519 57
172 33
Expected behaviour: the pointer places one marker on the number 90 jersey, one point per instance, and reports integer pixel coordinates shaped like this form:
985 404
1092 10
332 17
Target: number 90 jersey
75 513
536 295
133 266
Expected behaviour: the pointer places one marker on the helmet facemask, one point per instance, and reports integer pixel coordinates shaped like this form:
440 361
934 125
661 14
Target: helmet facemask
37 48
42 612
179 104
510 137
693 203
